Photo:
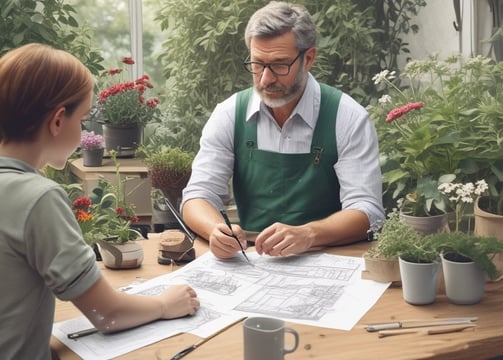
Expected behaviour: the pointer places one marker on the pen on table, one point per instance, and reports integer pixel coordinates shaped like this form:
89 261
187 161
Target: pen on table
227 221
82 333
202 341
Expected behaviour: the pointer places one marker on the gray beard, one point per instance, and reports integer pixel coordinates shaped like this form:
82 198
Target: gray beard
290 94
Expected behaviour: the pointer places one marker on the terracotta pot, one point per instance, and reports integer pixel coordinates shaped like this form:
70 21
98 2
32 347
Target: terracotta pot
121 256
487 224
426 225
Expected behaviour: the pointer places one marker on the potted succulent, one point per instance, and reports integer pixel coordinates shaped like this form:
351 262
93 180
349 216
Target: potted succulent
124 109
435 120
93 147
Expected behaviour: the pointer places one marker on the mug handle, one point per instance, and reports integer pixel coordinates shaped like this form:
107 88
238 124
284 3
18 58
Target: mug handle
296 337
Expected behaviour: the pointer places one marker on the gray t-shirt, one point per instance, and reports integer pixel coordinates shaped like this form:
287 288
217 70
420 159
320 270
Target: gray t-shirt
42 255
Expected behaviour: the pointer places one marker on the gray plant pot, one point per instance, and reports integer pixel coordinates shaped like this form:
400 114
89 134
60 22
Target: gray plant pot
464 281
419 281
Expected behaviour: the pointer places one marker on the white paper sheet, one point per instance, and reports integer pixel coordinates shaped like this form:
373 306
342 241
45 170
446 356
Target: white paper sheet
314 289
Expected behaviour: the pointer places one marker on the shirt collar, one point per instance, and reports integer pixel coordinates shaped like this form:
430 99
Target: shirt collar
308 107
15 164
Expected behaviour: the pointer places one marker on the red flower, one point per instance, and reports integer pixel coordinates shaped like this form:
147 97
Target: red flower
82 202
128 60
402 110
114 71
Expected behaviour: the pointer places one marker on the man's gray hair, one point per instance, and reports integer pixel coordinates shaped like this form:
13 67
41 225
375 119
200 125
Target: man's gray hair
278 18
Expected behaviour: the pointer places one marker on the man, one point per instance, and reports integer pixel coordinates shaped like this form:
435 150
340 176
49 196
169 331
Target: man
303 157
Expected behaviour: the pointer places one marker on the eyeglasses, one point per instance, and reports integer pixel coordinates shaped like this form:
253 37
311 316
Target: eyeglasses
277 69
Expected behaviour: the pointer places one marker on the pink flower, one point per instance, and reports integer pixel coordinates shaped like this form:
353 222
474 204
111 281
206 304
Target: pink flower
402 110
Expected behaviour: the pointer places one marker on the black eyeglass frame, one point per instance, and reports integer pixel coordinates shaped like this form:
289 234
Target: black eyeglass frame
247 65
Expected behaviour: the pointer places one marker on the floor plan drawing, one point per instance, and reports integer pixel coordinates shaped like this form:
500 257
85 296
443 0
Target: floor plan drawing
314 289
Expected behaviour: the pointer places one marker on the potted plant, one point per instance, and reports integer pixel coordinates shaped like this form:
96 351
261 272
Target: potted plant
466 260
419 267
169 170
437 119
381 260
488 210
400 253
106 220
93 147
124 109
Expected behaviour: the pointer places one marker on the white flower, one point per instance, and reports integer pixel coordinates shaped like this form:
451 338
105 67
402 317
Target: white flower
385 99
383 75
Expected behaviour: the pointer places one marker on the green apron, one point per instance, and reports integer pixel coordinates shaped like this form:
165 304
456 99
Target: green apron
293 189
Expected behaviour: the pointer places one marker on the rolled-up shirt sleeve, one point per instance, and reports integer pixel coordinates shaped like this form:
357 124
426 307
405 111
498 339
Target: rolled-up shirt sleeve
358 168
213 165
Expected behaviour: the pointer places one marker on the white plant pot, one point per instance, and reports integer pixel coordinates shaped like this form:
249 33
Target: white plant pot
121 256
419 281
464 282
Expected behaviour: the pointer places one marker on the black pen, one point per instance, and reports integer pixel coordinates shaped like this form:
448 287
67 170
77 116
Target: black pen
227 221
82 333
187 350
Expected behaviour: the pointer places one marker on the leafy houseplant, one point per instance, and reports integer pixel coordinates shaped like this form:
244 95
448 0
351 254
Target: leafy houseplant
464 247
397 239
453 133
169 170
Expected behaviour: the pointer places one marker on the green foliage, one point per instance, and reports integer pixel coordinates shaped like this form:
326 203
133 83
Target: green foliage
49 22
174 159
397 239
478 249
458 130
204 50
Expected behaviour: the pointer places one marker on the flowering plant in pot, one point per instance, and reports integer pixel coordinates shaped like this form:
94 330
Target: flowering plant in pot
91 141
124 108
102 218
438 119
126 101
92 146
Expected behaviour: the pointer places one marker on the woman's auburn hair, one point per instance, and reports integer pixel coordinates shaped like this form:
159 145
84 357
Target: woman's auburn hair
36 80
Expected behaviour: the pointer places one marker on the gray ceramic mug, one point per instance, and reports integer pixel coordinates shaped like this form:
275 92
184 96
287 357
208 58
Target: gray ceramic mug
264 339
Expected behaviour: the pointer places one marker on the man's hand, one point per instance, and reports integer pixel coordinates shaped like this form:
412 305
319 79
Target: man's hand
282 240
222 244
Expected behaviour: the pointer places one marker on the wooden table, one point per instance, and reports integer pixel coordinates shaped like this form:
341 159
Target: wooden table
485 342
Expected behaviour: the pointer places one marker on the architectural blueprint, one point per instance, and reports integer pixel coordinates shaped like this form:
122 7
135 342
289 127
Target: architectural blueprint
314 289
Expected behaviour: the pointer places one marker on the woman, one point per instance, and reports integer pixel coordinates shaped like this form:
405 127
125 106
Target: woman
44 95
